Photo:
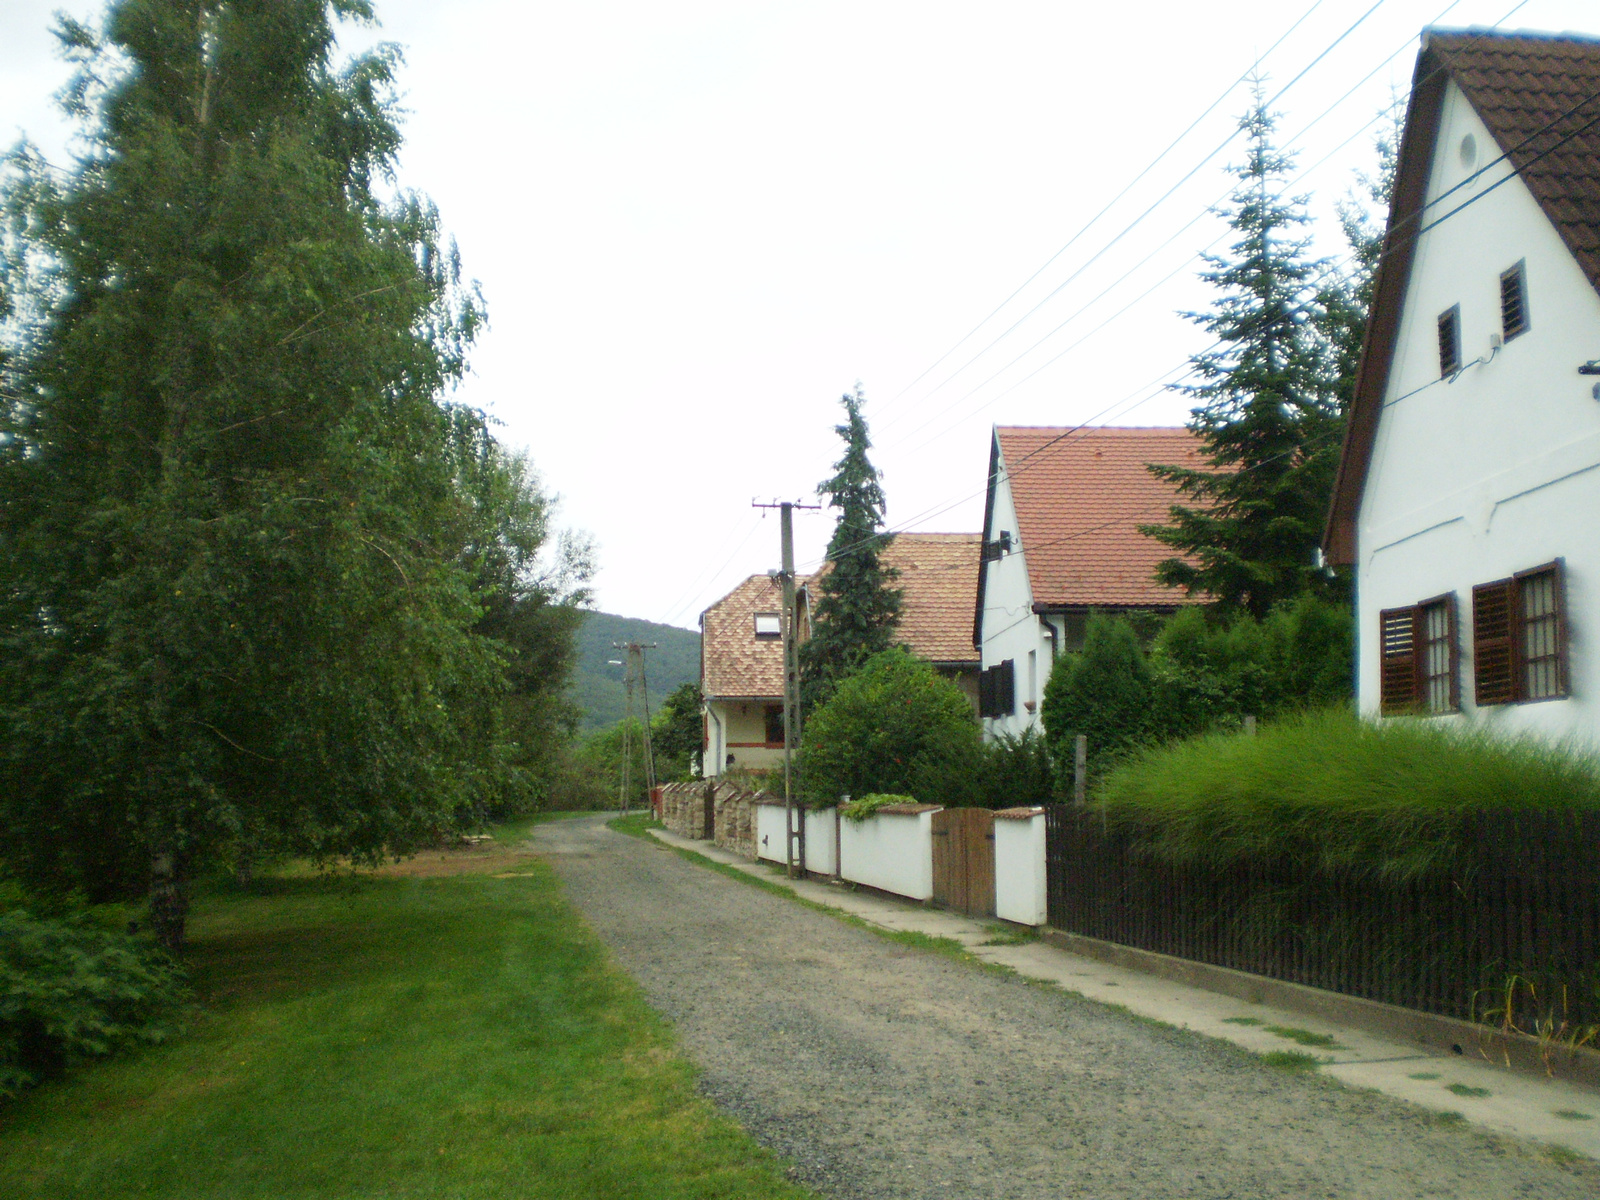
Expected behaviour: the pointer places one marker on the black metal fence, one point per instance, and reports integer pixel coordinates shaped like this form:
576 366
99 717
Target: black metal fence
1516 917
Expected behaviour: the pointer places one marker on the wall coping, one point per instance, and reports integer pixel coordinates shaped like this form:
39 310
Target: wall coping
1018 814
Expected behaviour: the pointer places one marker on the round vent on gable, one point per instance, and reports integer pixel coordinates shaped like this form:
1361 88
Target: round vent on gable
1468 152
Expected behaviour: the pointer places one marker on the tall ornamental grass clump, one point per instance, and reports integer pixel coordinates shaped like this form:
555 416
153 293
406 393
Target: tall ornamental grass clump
1331 791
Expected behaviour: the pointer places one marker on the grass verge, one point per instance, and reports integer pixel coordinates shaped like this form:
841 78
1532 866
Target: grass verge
406 1035
1291 1060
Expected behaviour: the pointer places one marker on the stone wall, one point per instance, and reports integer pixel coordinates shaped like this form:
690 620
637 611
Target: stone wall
683 807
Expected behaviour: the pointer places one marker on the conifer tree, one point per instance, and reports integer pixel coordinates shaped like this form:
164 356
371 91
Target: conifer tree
857 606
254 597
1267 412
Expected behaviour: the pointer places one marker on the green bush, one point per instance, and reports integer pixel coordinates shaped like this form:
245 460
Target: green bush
69 991
896 726
1328 789
862 807
1106 692
1017 770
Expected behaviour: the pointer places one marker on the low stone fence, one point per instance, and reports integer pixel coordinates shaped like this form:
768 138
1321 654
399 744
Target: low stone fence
733 824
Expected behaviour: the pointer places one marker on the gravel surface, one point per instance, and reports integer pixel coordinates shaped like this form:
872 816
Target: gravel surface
879 1070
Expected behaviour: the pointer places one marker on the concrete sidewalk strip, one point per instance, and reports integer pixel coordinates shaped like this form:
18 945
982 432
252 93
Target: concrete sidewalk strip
1482 1092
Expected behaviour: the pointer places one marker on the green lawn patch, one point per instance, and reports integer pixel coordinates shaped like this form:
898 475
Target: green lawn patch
1466 1089
1425 1075
1305 1037
1572 1114
1291 1060
416 1034
1242 1021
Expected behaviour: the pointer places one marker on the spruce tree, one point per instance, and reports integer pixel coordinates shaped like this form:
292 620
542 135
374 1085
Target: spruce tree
242 572
857 606
1267 413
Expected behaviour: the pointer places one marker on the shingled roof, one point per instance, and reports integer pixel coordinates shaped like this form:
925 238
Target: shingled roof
1539 95
1080 496
938 579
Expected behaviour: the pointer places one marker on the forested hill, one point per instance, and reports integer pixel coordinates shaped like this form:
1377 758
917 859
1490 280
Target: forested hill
597 688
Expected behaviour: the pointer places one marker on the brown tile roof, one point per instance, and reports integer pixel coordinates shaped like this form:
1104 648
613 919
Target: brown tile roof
1081 496
938 581
1539 95
733 661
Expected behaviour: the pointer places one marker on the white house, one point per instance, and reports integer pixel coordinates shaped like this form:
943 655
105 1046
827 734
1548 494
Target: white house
1468 495
1061 538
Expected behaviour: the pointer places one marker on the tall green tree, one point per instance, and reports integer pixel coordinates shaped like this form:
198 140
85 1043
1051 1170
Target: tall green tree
245 600
857 606
1267 406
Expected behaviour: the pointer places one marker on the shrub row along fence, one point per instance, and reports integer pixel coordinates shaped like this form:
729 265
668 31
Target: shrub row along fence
1515 919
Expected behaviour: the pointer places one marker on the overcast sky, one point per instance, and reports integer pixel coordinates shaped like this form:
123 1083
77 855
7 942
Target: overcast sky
697 224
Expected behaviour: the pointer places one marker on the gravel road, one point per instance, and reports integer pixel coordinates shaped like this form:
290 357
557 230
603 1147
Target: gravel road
884 1071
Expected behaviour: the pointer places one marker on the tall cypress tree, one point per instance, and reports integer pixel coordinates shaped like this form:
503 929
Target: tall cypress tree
240 602
1267 412
857 607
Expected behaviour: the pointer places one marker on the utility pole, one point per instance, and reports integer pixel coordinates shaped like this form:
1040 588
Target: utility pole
791 684
636 653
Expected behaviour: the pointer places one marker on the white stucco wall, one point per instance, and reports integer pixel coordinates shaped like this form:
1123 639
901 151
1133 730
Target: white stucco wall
1009 627
739 727
891 852
1019 882
819 837
1498 471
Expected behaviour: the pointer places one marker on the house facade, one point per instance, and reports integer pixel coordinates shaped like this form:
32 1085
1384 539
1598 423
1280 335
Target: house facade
741 649
1060 540
1469 486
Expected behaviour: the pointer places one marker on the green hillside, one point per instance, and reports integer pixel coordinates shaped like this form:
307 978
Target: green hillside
597 688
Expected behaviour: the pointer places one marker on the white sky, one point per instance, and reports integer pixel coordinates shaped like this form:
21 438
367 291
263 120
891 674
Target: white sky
697 224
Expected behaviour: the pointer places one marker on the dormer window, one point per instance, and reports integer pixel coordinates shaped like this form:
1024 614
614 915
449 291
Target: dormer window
1450 341
1514 302
769 626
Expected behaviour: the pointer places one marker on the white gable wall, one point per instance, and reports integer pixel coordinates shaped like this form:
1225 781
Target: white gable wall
1498 471
1009 627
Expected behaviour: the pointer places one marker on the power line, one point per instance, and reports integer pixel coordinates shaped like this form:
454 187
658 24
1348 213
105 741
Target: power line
1150 166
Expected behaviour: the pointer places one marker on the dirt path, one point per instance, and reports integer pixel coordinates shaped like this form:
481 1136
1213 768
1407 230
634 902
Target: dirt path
883 1071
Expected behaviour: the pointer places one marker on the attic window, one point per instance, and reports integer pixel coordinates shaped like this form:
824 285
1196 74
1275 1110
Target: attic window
1450 341
1514 302
769 625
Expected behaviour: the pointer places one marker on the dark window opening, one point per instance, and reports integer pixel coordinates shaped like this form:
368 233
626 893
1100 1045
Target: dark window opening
1514 302
1450 341
775 724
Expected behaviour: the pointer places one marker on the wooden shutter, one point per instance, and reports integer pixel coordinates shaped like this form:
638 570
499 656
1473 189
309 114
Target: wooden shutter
986 692
1455 654
1006 688
1397 641
1494 644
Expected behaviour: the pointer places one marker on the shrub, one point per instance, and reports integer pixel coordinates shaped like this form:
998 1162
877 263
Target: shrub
1017 770
1328 789
895 726
1105 692
859 809
69 991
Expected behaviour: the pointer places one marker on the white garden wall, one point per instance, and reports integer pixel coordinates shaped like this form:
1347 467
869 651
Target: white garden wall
819 837
1019 882
891 851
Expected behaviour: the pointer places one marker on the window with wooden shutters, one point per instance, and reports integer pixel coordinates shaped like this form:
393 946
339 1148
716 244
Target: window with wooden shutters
1514 302
1421 660
1540 640
1519 637
1450 341
1398 637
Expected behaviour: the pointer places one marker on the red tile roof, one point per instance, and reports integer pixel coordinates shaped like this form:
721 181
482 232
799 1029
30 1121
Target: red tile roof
1540 97
938 580
1081 495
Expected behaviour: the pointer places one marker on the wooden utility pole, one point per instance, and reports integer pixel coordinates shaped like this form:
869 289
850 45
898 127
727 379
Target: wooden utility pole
791 685
635 651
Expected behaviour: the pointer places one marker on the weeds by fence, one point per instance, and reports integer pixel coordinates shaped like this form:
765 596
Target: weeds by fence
1520 901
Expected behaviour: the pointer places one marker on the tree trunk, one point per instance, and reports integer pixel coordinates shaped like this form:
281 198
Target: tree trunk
169 900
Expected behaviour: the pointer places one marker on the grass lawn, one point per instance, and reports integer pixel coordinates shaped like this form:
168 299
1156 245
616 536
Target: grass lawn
448 1028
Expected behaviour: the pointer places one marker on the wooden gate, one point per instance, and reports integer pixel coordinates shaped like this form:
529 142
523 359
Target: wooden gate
963 860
